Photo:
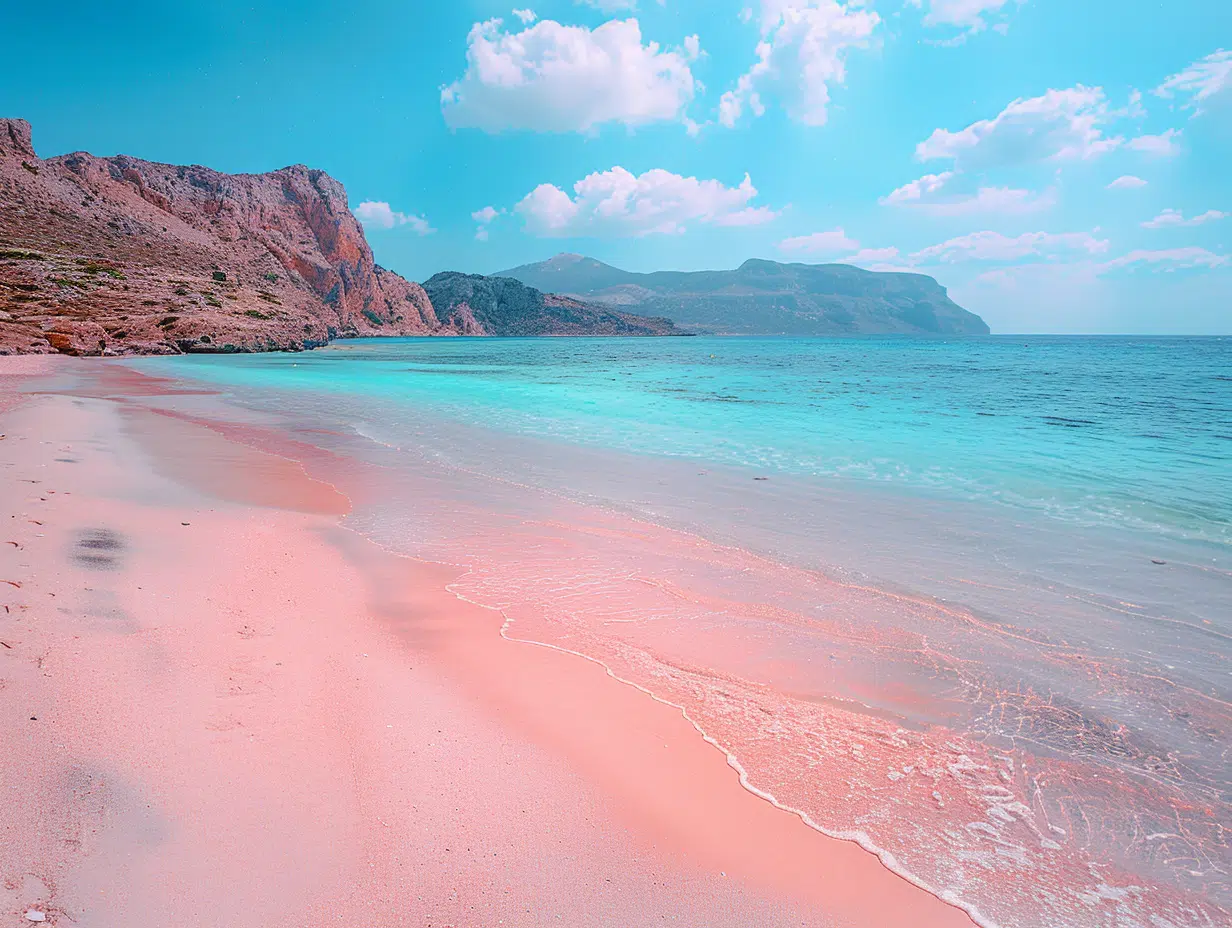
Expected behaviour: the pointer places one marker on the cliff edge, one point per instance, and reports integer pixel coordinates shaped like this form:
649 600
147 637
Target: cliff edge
124 256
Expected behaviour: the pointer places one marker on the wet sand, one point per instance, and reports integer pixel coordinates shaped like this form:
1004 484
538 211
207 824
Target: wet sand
219 706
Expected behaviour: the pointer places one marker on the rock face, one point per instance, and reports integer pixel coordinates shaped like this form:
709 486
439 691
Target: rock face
122 256
475 305
765 297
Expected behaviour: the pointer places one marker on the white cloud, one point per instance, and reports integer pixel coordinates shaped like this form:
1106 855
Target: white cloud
619 203
926 194
1001 200
873 258
917 189
801 53
1174 217
554 78
1163 144
527 16
990 247
1057 125
835 240
484 217
1127 182
963 14
1201 81
1168 259
993 246
381 216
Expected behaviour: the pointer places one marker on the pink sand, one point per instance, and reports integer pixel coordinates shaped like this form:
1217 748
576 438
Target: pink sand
260 718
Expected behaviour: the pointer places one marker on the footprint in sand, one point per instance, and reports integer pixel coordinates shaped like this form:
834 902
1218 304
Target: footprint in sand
99 548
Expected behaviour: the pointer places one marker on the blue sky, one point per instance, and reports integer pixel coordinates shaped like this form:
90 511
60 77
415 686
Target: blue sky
1059 165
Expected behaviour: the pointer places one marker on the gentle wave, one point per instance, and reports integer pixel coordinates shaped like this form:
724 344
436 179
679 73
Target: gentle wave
985 655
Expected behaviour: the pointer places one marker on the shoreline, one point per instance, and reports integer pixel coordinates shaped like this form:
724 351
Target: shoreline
695 840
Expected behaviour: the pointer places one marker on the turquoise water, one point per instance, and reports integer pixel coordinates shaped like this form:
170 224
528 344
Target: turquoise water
1135 432
1057 512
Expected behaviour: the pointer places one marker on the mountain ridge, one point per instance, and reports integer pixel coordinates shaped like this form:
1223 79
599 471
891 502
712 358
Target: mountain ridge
119 255
764 297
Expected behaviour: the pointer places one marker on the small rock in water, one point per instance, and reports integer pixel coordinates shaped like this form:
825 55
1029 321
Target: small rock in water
34 915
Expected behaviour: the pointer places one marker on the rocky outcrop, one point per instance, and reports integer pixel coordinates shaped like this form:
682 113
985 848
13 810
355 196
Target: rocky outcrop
124 256
120 256
15 136
471 304
765 297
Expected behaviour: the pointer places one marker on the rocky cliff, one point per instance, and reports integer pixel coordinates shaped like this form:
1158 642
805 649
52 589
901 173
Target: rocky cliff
765 297
118 255
477 305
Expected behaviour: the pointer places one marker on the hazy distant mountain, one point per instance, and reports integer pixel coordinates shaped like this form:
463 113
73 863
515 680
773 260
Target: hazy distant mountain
764 297
476 305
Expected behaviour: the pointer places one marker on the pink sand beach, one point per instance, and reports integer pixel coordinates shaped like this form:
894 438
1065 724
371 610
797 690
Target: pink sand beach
222 707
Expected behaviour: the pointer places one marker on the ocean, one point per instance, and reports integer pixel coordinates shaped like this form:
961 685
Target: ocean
965 601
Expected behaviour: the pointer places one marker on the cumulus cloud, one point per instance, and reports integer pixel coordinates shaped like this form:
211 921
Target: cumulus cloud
802 52
1201 81
1127 182
378 215
1168 259
917 190
527 16
833 241
929 194
876 259
484 217
1060 124
554 78
985 247
993 246
968 15
1174 217
620 203
1163 144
